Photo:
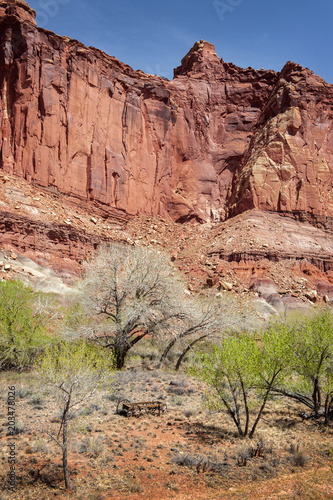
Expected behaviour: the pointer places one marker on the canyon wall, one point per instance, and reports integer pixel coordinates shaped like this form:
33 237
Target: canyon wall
211 143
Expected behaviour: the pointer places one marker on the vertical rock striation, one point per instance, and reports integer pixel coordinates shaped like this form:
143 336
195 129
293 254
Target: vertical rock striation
288 166
214 141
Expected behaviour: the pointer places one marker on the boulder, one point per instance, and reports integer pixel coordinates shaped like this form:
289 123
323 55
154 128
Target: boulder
325 289
265 287
311 295
265 310
225 285
277 302
292 303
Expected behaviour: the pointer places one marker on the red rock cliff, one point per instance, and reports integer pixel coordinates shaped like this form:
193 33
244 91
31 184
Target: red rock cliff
288 166
213 142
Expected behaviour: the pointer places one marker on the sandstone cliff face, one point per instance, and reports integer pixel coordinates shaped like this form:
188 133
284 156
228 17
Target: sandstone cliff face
289 164
211 143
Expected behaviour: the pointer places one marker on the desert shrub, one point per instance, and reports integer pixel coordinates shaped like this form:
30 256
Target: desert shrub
199 462
40 446
299 458
20 427
185 460
91 446
189 412
89 410
178 391
72 372
23 393
37 399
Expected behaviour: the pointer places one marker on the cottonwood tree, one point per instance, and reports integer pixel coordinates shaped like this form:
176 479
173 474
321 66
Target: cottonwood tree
24 317
312 380
72 373
208 317
240 370
132 293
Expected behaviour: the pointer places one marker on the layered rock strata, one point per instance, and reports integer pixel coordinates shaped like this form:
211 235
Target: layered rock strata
52 245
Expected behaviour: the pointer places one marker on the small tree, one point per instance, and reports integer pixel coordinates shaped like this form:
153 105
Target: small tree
72 372
312 380
240 370
276 345
231 371
132 292
23 320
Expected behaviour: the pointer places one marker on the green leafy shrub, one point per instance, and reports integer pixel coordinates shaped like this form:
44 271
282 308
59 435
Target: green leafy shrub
242 374
312 364
23 323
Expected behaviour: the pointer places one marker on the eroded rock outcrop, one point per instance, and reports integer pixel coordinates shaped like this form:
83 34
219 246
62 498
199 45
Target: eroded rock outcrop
77 119
213 142
288 166
52 245
19 9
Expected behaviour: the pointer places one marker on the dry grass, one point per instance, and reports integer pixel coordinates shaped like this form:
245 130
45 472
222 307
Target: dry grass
184 451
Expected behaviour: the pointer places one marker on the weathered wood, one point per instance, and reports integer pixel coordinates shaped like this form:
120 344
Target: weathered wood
124 407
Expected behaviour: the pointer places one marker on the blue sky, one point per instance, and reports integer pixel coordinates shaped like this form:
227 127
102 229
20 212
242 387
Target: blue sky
155 35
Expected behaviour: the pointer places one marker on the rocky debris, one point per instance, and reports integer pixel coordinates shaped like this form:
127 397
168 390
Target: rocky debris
284 263
216 141
281 302
54 245
41 279
218 256
58 232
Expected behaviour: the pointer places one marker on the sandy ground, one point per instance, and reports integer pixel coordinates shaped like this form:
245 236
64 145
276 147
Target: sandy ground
185 453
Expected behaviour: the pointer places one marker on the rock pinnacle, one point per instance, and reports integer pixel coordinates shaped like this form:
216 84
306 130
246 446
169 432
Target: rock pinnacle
18 8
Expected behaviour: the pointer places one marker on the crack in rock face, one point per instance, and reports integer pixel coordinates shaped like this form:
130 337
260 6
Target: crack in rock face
212 144
215 141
